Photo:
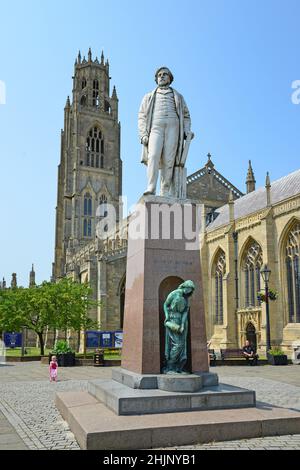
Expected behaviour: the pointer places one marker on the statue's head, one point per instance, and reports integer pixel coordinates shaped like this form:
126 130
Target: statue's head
164 76
187 287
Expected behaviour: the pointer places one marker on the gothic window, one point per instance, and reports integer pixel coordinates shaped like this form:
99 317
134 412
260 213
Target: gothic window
251 266
94 149
83 100
87 212
102 206
219 272
292 250
96 101
87 209
83 83
87 227
107 107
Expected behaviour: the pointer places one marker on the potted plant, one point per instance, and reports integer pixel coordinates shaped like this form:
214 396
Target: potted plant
65 355
276 357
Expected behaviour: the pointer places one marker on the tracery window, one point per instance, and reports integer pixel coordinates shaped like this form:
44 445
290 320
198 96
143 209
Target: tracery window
83 100
293 273
87 212
251 266
102 206
95 148
87 209
96 101
219 272
83 83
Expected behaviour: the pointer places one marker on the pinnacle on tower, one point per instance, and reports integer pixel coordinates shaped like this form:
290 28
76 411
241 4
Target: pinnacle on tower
32 277
114 93
68 104
13 283
90 55
79 58
250 181
102 58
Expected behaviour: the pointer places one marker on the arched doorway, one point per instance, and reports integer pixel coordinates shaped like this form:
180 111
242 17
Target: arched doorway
168 285
251 335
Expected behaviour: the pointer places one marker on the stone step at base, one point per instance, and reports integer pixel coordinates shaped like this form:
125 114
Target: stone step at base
98 428
127 401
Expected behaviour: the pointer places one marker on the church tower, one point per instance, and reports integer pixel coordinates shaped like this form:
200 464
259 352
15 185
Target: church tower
90 169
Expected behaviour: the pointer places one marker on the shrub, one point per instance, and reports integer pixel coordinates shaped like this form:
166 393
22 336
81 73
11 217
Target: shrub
62 347
276 351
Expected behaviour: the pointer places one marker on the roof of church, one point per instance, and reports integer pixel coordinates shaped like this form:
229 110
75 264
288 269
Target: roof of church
281 189
209 168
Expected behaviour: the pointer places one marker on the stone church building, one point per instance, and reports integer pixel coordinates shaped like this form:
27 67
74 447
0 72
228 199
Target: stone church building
241 232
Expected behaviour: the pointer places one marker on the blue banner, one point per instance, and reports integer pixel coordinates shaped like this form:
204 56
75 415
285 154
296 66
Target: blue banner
13 340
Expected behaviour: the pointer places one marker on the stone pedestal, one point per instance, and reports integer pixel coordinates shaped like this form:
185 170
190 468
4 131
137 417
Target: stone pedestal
140 407
162 253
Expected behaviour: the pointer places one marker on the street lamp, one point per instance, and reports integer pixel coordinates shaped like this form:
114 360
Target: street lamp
266 272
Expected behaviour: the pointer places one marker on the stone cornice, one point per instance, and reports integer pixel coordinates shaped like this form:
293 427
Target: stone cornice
286 207
251 220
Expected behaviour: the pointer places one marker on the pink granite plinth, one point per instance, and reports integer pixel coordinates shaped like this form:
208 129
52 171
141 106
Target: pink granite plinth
156 265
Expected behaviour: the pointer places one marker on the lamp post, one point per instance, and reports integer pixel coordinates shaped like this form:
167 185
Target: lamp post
266 272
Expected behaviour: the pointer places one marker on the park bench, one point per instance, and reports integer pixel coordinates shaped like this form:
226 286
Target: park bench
231 354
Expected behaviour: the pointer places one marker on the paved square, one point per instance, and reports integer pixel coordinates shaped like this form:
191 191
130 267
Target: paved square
29 418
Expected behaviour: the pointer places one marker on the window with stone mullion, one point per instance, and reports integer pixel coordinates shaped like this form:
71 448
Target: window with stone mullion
95 149
292 274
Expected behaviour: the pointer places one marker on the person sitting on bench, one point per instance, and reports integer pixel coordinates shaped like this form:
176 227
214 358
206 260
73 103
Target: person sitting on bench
250 354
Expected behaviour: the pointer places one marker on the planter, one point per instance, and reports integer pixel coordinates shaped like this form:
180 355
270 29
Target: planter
281 360
65 359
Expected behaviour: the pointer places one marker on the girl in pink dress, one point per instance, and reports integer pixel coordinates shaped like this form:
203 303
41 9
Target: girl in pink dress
53 369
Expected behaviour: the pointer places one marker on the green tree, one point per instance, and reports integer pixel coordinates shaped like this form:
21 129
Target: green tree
63 305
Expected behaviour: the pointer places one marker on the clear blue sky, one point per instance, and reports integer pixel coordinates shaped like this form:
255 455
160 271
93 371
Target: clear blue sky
233 60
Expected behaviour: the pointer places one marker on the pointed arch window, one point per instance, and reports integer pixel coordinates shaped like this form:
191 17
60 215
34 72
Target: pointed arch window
94 148
96 101
87 209
87 228
102 206
251 266
83 100
219 273
87 212
292 250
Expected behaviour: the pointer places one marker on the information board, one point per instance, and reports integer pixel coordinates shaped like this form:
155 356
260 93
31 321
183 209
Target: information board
13 340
